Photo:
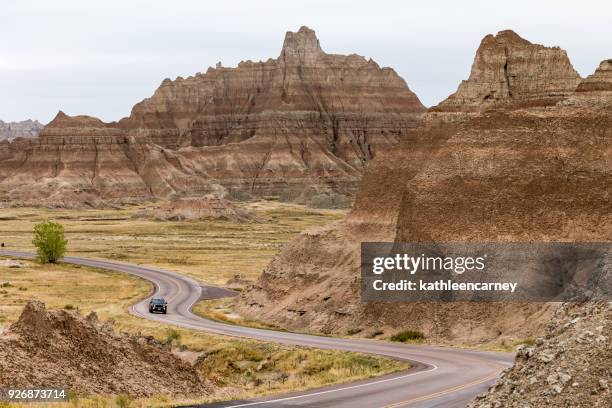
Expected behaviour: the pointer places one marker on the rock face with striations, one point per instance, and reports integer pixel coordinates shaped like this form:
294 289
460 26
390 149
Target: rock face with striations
538 173
301 127
510 71
26 129
596 89
600 81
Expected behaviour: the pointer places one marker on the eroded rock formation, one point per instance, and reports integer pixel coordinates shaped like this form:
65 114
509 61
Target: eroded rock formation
600 81
59 348
301 127
510 71
569 366
509 174
595 90
26 129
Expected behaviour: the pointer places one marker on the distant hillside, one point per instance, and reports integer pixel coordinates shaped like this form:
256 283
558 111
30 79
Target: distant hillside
26 128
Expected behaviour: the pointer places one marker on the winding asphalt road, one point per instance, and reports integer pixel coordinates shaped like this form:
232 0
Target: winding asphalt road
439 377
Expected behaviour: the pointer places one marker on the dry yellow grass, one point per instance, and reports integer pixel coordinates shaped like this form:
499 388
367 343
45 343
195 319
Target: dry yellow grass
211 251
240 368
68 287
222 310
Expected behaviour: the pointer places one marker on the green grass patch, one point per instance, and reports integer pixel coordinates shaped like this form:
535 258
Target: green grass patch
408 336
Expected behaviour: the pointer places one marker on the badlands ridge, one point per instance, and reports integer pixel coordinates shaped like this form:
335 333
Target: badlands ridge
299 128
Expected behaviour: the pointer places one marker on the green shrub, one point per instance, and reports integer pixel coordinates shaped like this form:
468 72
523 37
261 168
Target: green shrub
408 335
69 307
49 241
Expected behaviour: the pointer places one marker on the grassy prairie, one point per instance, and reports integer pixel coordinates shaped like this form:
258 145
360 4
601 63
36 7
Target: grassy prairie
211 251
69 287
222 310
240 368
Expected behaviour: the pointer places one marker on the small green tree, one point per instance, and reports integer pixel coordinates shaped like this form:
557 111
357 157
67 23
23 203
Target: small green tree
49 241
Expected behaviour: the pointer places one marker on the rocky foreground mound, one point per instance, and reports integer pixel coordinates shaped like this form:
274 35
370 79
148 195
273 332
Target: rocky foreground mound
570 367
300 128
197 208
63 349
535 166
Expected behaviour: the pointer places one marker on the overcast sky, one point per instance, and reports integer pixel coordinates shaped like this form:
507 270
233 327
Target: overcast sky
101 57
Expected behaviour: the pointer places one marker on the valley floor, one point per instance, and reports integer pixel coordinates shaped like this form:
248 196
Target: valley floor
211 251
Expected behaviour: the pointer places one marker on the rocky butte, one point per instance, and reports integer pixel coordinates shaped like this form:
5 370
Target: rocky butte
535 165
301 128
26 129
509 71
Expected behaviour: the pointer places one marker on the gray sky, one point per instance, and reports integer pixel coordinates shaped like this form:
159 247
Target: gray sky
100 58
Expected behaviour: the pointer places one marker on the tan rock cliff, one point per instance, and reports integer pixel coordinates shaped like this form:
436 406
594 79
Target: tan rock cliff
540 173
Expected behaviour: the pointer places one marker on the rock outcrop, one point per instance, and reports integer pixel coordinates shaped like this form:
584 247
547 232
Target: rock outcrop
26 129
595 90
64 349
600 81
208 207
509 71
538 173
567 367
301 128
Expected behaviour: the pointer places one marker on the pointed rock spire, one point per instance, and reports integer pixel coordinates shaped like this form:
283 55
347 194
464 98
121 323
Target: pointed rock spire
508 69
303 45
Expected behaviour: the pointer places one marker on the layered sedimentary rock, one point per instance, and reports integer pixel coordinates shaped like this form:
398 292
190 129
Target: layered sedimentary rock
594 90
81 160
301 127
26 129
538 173
600 81
511 71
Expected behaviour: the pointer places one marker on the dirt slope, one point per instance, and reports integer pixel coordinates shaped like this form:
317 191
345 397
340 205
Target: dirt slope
65 349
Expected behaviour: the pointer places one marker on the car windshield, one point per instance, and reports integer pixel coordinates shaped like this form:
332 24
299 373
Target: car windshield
158 301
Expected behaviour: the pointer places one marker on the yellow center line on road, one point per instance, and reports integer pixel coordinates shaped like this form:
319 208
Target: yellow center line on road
443 392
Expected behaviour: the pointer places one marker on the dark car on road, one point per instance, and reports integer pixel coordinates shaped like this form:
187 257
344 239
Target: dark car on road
158 305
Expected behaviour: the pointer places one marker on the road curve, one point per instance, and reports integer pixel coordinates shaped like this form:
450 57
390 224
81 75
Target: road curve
440 377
